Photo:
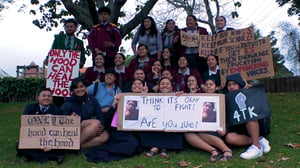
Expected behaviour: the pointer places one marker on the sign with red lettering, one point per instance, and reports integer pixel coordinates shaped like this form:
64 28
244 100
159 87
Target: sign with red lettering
51 131
253 59
189 39
63 67
213 44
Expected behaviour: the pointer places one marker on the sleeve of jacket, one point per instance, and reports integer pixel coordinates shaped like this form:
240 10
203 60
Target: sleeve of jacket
90 89
135 39
82 54
91 39
118 38
197 75
203 31
88 75
67 108
100 115
159 42
30 109
108 116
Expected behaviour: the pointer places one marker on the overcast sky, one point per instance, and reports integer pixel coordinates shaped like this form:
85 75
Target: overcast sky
22 42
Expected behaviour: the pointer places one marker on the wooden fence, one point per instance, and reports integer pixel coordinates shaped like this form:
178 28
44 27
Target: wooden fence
282 85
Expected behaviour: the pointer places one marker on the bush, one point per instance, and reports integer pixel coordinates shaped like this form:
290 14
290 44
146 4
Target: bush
13 89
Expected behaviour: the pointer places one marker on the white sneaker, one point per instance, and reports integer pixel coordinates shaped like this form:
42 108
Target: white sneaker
264 144
252 152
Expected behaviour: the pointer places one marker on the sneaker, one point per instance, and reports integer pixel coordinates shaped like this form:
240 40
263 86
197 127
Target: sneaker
252 152
264 143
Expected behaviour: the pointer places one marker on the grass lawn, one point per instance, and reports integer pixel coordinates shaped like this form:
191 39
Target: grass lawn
285 128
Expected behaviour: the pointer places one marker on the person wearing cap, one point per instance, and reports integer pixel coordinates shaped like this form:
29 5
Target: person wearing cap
106 90
105 38
192 53
67 41
246 133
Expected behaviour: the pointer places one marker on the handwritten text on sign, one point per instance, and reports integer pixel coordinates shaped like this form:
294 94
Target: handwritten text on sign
189 39
63 67
253 59
246 105
54 131
167 112
214 44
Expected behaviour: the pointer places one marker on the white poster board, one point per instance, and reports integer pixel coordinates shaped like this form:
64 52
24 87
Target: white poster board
168 112
63 67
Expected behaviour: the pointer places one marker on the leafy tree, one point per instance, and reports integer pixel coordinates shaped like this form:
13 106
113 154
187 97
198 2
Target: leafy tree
85 12
278 59
294 9
208 9
290 41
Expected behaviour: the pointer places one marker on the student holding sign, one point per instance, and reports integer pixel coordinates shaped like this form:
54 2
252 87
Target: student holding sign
210 141
161 141
92 120
67 41
43 107
247 133
192 52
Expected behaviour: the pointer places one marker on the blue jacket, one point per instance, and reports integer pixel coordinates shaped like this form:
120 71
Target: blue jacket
86 107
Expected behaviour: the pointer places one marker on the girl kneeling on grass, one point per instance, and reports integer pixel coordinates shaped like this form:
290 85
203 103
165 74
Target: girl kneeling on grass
210 141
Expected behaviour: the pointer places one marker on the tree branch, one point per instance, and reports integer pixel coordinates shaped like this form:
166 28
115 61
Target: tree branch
138 18
82 15
117 5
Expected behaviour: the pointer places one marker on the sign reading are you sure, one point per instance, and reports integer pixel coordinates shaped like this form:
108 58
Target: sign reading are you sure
168 112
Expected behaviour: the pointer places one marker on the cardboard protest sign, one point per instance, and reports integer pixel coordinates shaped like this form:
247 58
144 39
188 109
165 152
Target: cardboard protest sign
63 67
253 59
171 113
212 44
189 39
246 105
54 131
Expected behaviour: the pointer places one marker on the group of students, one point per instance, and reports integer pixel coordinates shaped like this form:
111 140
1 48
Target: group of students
99 127
161 65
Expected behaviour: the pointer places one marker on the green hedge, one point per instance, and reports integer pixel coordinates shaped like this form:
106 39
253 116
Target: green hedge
13 89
